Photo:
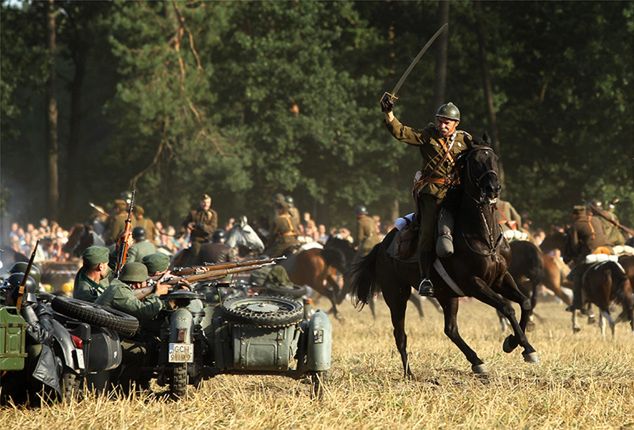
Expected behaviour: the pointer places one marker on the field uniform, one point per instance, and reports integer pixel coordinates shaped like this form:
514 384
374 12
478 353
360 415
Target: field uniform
367 237
436 174
85 288
283 235
508 217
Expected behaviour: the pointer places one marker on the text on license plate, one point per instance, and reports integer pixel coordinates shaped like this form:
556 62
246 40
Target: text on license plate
181 353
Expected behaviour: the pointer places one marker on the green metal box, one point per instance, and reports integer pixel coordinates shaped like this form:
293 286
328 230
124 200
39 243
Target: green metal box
12 339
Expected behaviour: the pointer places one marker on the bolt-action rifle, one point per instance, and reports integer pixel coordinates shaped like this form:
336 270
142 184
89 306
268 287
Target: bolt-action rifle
209 275
123 243
183 271
18 303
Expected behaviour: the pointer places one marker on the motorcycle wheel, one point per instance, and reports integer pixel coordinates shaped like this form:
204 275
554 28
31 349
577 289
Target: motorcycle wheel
270 311
92 313
295 291
178 383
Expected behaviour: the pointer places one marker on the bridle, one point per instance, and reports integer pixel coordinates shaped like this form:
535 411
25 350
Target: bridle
481 203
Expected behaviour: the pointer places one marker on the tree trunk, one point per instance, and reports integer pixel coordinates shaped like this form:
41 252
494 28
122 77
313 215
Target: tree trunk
488 89
72 155
53 149
395 209
440 81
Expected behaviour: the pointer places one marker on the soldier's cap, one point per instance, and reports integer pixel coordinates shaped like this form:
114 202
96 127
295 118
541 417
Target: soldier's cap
156 262
94 255
279 198
205 197
120 203
134 272
139 210
578 209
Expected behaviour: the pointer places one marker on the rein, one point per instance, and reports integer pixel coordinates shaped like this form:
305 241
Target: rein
492 244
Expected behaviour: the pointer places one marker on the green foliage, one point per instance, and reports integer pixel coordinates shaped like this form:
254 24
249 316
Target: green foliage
245 99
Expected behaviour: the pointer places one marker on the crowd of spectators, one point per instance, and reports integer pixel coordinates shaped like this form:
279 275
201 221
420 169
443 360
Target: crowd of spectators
53 237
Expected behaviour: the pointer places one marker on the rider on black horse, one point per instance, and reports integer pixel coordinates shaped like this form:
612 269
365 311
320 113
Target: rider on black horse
439 144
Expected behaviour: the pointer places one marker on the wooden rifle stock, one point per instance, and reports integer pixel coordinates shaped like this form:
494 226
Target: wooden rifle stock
123 243
195 270
221 273
18 303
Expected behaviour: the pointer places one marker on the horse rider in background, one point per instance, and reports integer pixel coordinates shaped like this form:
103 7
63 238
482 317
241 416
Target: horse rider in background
367 236
584 237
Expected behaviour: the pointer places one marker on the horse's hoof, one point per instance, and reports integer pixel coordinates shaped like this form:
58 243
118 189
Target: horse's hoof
509 344
531 357
480 369
576 329
592 319
530 326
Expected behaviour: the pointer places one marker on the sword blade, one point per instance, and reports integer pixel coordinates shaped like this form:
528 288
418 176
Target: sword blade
400 82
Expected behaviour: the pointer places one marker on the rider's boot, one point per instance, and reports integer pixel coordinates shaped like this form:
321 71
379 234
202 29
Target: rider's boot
444 243
426 288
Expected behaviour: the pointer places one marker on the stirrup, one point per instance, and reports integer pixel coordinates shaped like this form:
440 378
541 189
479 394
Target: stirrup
426 288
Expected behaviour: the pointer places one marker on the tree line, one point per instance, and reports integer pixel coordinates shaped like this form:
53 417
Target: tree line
245 99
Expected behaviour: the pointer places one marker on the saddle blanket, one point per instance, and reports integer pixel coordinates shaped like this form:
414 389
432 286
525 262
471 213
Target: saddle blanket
404 221
512 235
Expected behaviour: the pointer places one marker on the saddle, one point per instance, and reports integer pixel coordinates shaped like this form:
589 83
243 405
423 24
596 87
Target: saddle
407 241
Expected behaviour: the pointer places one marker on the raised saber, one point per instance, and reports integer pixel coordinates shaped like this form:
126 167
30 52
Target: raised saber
415 61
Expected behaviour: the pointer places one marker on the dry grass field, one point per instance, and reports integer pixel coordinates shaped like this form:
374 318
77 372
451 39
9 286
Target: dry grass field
582 381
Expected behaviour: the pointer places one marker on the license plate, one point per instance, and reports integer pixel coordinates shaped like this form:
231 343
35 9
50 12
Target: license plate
181 353
80 358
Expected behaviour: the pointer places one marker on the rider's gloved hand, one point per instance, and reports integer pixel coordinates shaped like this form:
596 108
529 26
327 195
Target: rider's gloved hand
387 103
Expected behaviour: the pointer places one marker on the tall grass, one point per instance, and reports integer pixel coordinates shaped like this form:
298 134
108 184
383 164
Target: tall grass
583 381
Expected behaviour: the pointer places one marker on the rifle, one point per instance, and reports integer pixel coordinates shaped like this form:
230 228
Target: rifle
205 276
123 243
602 214
18 303
183 271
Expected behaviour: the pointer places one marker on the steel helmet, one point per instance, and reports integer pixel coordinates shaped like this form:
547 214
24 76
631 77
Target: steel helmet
450 111
138 233
361 210
218 236
12 285
20 267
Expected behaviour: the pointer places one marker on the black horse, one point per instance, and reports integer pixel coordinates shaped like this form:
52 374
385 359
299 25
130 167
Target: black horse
80 237
478 267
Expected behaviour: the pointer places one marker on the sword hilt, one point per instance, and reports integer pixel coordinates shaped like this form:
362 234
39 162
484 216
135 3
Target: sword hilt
392 97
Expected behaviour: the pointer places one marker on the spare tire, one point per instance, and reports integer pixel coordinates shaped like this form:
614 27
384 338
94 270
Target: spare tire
269 311
294 290
94 314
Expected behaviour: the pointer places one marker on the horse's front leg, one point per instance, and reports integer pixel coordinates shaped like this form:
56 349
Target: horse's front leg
510 291
485 294
450 311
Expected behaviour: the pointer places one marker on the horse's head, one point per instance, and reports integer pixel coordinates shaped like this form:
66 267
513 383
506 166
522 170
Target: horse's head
345 249
478 169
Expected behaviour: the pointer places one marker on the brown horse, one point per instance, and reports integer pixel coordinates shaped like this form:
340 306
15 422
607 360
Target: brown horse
605 283
320 268
478 267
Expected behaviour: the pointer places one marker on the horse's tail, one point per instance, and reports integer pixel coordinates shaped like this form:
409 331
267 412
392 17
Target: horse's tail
363 278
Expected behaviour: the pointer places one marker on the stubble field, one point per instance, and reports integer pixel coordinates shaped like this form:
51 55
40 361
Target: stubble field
582 381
